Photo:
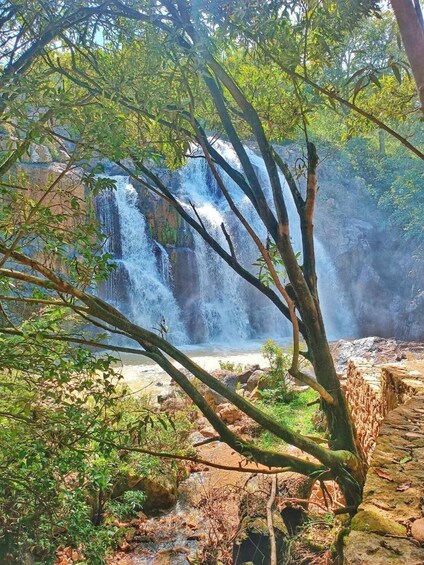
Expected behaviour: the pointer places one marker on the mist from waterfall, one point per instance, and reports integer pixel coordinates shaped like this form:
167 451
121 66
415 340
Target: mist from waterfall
229 310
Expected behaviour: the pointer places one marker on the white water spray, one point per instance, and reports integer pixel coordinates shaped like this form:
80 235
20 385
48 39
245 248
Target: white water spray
147 276
231 311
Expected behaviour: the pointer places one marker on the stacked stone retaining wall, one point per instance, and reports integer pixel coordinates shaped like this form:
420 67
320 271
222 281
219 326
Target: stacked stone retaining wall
388 408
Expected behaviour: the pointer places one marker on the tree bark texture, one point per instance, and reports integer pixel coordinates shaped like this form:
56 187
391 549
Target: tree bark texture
411 27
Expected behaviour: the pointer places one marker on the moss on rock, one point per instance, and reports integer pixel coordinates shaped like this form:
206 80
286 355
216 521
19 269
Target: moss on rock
377 521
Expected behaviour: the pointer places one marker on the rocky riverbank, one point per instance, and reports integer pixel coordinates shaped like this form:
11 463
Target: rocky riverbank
211 507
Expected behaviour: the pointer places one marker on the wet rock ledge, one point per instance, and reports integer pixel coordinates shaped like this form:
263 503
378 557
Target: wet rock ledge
389 525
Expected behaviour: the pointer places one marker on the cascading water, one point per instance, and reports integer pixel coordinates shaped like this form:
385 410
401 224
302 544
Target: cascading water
229 310
230 303
337 313
148 295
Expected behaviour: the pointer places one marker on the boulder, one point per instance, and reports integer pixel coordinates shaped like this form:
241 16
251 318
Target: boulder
229 413
208 431
377 521
252 543
374 349
166 395
202 422
39 154
62 156
37 176
231 381
244 377
196 437
256 380
212 397
417 530
159 495
64 133
294 485
238 429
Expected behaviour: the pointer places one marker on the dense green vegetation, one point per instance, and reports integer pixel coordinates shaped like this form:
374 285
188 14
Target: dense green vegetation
370 64
298 413
64 413
396 182
280 398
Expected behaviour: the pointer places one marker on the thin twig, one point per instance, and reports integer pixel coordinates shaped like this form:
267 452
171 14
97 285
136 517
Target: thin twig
270 522
197 215
229 241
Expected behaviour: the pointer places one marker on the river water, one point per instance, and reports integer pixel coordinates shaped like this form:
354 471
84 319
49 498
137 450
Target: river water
145 376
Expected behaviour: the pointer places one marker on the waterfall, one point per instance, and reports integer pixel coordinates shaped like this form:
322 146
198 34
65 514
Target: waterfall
148 297
336 310
225 308
232 310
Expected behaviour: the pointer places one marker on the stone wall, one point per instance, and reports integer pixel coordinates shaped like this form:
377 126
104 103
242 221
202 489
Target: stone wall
373 391
364 393
388 407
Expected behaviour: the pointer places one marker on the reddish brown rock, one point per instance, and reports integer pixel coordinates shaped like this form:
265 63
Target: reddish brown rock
417 530
229 413
256 380
244 377
208 432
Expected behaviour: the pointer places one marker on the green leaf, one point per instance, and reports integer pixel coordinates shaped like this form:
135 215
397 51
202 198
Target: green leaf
358 87
373 78
75 204
396 71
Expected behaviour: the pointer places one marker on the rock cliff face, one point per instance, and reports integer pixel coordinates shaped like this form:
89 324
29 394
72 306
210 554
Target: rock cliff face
381 274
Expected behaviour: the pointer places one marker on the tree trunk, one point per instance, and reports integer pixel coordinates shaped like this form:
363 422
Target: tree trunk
340 424
410 21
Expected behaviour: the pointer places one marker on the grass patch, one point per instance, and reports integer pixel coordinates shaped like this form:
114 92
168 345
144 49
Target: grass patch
296 414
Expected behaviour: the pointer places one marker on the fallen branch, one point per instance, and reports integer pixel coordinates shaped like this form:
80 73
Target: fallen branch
270 522
198 460
314 384
206 441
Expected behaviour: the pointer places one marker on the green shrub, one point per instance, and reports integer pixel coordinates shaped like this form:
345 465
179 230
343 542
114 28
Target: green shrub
128 505
279 386
231 366
63 416
298 414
